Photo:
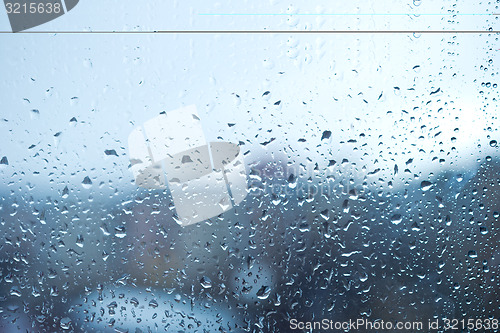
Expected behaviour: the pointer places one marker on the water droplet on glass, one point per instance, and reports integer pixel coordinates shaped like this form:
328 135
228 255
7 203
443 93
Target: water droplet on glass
65 323
120 232
14 291
87 183
264 292
396 218
65 192
206 282
79 241
425 185
326 135
35 114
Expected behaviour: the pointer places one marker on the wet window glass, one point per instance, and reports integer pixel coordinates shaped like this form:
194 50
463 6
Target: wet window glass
249 166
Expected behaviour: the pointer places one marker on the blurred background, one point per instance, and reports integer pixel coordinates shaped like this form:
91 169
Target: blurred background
373 167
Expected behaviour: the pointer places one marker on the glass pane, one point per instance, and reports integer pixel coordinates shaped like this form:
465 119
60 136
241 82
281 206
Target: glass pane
343 169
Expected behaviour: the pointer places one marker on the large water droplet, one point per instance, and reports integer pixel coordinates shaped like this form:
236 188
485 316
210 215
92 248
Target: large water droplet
206 282
65 323
425 185
264 292
87 183
396 218
79 240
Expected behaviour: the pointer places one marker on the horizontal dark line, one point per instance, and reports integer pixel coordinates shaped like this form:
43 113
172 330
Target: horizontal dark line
346 14
265 32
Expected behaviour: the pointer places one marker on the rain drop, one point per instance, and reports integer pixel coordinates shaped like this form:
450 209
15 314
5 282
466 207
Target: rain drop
264 292
425 185
206 282
396 218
